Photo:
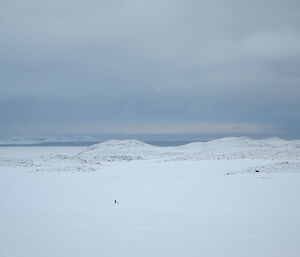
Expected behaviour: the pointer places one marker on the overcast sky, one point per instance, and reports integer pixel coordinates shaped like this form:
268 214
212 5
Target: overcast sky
156 66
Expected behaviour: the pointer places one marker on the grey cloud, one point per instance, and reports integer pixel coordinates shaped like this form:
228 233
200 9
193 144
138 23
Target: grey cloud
133 62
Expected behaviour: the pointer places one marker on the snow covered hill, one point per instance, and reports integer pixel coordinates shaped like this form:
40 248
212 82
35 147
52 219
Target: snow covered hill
126 150
225 148
91 158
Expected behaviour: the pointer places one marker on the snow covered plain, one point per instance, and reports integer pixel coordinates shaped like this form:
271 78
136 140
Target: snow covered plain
200 199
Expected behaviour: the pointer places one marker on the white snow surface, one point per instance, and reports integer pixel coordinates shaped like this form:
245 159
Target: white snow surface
200 199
